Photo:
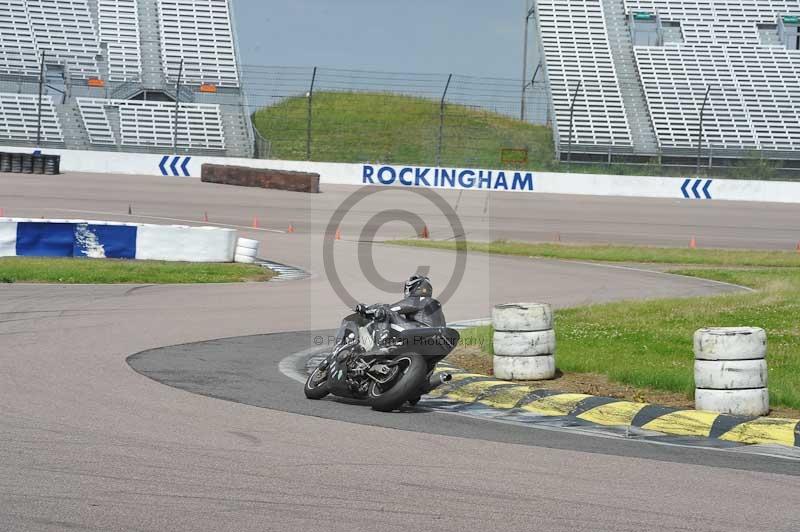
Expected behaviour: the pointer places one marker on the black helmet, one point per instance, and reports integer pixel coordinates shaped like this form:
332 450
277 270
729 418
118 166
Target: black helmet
418 286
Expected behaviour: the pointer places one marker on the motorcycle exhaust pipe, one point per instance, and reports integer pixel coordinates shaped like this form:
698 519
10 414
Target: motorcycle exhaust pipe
437 380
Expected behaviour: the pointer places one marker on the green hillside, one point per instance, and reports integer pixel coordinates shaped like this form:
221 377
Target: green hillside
380 127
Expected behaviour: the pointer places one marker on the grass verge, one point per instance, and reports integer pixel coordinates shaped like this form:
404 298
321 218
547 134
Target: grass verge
608 253
642 350
110 271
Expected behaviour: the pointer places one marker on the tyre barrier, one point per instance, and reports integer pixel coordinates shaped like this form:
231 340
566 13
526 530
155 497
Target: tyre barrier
246 250
522 317
524 341
26 163
21 237
16 163
52 164
524 344
730 370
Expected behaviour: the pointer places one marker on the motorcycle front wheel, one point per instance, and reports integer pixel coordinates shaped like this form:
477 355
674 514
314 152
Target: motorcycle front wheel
317 383
411 377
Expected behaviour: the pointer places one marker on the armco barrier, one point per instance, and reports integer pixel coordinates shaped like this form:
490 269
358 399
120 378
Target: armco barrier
24 237
685 188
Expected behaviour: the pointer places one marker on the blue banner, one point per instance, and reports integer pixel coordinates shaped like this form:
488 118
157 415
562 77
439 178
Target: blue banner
105 241
45 239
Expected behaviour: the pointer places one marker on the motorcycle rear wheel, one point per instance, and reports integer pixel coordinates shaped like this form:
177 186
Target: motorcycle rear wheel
408 385
316 387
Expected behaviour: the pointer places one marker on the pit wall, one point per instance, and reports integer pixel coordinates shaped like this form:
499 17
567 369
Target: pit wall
442 178
21 237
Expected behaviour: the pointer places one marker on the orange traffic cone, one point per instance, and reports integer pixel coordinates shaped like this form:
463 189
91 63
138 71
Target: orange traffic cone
205 216
558 237
693 243
255 222
290 229
798 244
338 235
425 233
1 212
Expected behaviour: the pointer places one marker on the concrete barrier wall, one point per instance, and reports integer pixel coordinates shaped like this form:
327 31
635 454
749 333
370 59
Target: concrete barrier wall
443 178
94 239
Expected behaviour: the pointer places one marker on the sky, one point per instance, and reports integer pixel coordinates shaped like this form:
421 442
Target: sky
471 37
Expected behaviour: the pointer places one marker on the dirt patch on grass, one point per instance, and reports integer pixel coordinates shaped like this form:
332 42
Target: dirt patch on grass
473 359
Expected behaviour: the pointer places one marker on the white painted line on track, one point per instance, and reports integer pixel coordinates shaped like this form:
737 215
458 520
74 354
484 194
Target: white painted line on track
288 366
644 270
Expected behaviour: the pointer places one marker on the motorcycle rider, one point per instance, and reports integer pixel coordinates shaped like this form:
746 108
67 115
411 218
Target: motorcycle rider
418 308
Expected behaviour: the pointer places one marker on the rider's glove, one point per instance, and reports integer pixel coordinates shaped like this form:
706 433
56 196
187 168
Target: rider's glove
380 314
361 309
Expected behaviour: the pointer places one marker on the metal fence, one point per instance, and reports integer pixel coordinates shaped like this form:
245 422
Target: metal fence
325 114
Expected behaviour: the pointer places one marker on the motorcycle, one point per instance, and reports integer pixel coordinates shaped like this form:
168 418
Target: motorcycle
385 370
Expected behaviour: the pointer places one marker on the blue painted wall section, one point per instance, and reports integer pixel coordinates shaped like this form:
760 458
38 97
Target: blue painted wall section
41 239
115 241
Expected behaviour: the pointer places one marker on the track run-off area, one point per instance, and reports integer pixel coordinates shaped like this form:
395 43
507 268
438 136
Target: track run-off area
88 443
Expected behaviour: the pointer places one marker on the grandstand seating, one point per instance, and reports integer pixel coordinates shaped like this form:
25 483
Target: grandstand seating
118 27
18 53
95 120
769 82
736 47
576 48
754 87
98 50
19 118
675 81
151 124
200 33
727 12
728 22
64 30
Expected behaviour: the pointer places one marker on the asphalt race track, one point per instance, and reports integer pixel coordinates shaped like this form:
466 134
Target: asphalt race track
90 444
251 370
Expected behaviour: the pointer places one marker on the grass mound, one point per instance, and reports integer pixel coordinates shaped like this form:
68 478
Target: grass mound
109 271
389 128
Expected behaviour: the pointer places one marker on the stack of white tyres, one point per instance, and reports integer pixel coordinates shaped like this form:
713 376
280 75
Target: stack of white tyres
524 341
246 250
730 370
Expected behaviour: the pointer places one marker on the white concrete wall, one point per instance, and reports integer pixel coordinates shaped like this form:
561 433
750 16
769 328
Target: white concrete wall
459 179
8 238
184 243
129 240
